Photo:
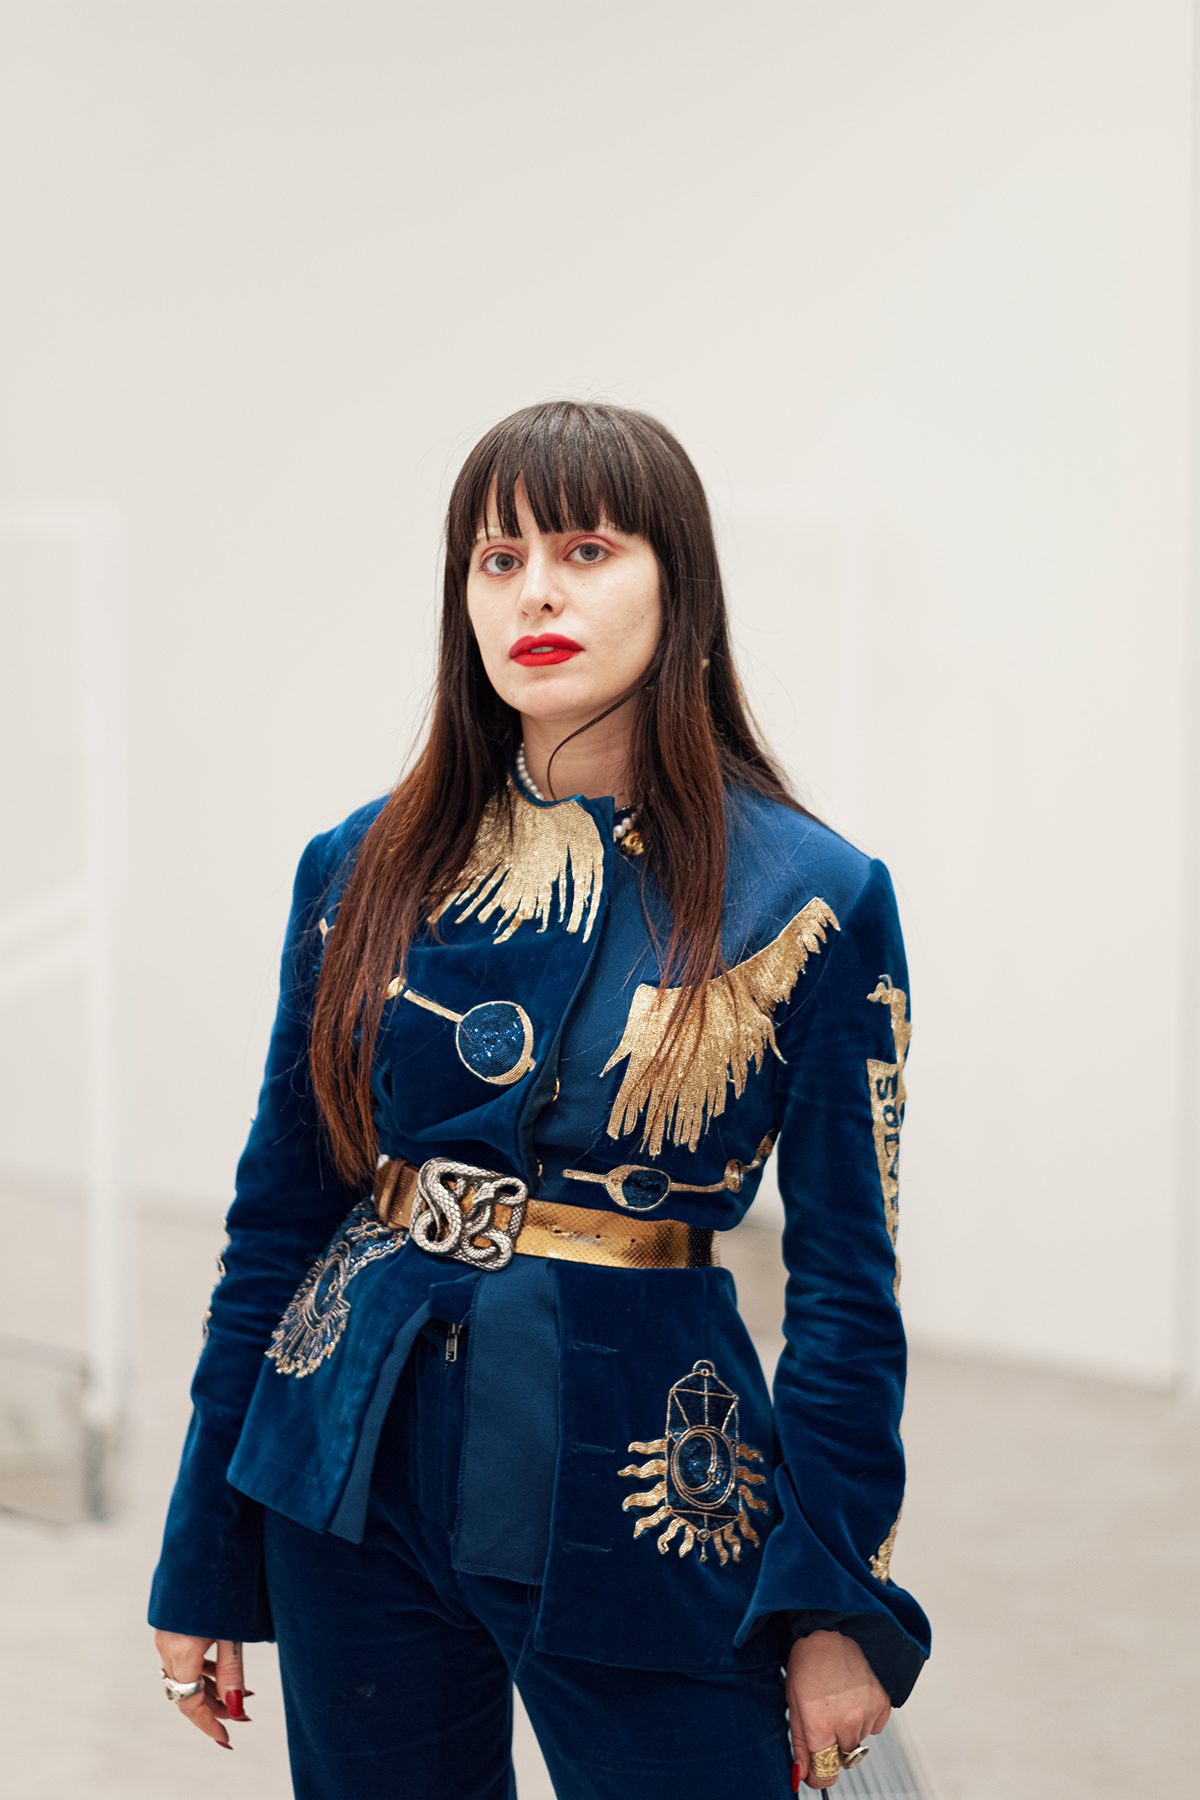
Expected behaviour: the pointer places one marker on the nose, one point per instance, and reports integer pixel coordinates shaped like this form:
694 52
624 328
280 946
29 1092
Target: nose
539 584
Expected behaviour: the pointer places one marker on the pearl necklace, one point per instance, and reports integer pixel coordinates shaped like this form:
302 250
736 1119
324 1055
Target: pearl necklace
621 827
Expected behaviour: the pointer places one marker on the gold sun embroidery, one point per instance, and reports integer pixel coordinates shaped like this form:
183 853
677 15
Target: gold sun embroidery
706 1485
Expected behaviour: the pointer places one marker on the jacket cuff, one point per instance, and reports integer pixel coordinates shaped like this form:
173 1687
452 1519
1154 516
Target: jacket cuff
797 1565
895 1660
210 1581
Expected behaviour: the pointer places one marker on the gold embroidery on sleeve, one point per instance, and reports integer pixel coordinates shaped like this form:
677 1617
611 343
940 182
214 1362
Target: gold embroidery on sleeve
887 1108
737 1030
706 1485
517 877
881 1562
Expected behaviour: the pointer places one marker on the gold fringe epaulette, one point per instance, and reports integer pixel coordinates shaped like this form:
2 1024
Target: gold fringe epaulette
518 877
736 1032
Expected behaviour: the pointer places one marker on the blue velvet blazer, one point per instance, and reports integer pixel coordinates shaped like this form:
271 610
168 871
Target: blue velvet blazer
520 1043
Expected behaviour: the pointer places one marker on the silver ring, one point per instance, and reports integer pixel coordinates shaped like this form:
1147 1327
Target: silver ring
180 1690
855 1755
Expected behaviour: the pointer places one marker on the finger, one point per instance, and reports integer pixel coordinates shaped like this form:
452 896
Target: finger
811 1778
230 1678
799 1762
210 1668
182 1658
813 1730
799 1747
216 1703
227 1702
845 1741
808 1734
201 1711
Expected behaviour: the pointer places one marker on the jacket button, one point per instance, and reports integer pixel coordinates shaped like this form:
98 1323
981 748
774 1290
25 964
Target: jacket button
539 1171
554 1095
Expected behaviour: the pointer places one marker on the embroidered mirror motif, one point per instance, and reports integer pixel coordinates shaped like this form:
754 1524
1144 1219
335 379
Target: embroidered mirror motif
493 1039
316 1315
706 1484
639 1188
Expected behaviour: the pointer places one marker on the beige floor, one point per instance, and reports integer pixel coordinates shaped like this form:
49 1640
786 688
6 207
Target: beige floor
1049 1530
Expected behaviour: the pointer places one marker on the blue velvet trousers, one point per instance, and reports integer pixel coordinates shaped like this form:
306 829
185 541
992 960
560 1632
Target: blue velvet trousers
398 1671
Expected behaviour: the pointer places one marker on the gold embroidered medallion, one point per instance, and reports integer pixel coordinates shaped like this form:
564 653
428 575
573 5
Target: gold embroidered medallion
692 1092
316 1315
493 1039
706 1485
887 1108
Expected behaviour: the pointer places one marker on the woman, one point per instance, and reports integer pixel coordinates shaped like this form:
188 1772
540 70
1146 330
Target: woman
475 1403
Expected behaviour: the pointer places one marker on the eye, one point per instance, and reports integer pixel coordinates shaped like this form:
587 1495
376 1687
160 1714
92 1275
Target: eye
588 561
487 559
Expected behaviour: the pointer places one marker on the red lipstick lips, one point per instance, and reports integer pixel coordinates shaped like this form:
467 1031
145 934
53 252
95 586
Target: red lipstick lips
547 647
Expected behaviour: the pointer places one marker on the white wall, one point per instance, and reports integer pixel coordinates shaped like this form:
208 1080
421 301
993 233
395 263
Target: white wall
910 282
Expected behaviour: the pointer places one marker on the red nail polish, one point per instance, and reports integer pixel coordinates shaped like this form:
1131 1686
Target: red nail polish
795 1778
233 1700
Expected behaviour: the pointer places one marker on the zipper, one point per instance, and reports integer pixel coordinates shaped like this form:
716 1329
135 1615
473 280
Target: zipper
452 1331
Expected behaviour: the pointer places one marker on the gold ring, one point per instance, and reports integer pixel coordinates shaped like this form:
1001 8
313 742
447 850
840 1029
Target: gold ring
824 1763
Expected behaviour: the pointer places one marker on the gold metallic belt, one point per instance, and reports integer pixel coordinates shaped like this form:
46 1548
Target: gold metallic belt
449 1208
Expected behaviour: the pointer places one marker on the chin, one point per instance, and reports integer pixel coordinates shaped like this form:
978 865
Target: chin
539 699
570 711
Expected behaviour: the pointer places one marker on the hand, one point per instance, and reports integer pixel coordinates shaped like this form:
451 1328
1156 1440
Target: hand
833 1695
221 1697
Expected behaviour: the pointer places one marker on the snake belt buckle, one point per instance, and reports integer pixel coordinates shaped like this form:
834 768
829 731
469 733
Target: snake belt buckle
455 1206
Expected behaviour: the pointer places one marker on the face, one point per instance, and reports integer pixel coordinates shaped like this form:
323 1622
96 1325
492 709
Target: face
597 591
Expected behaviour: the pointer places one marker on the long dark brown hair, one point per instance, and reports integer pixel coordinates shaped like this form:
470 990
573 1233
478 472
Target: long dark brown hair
691 733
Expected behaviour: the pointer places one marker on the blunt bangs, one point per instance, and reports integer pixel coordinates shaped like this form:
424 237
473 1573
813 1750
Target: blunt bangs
580 467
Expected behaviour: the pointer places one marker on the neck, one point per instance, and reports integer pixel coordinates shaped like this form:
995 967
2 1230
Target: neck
594 764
